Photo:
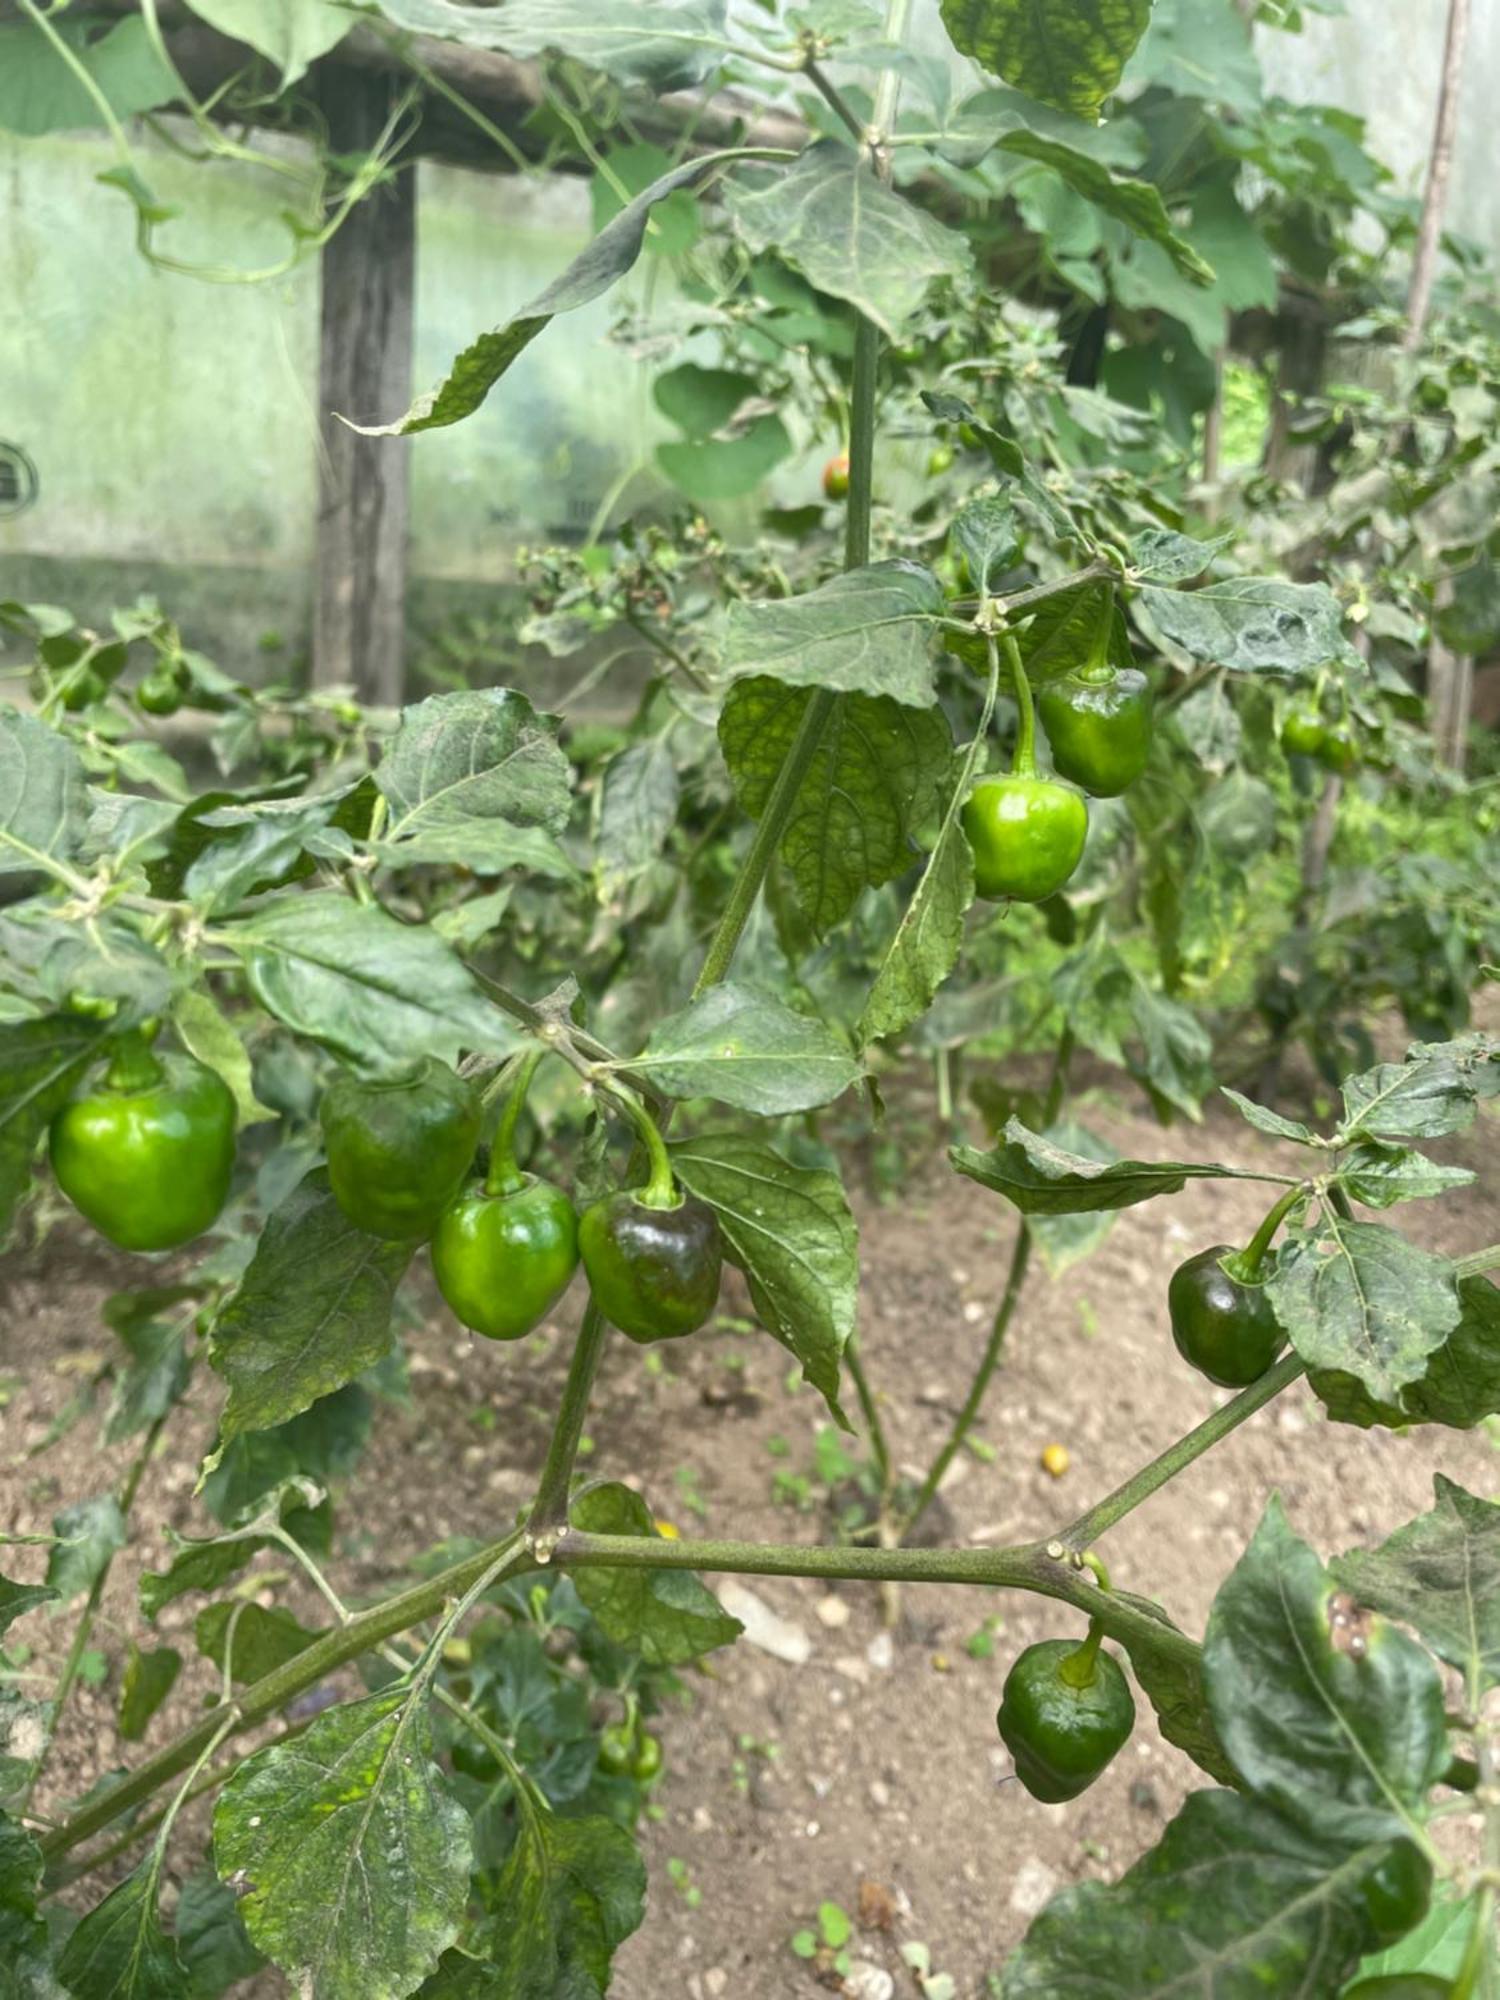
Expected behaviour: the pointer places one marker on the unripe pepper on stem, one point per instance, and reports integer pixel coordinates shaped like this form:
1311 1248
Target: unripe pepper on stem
1221 1316
1026 831
653 1255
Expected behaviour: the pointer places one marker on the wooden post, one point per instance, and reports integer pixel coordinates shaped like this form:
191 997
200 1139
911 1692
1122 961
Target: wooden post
364 372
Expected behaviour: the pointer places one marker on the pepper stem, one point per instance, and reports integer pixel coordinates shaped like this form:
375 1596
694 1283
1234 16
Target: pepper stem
133 1064
504 1175
1245 1264
1023 764
660 1190
1079 1669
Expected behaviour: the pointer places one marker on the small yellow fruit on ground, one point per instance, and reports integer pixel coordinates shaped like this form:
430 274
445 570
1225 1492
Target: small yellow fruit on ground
1055 1459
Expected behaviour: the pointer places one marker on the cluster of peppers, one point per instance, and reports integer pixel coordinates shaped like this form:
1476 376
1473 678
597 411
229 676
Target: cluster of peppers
146 1153
1027 830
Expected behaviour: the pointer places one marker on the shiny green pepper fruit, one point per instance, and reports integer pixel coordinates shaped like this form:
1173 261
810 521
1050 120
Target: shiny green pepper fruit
617 1750
399 1147
1339 750
1065 1711
159 693
1222 1320
1397 1892
1098 722
1302 731
645 1767
503 1256
653 1268
940 460
147 1154
80 690
1027 835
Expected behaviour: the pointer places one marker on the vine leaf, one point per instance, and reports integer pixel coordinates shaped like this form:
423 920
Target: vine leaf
1440 1574
1326 1711
289 33
1359 1299
475 371
745 1048
666 1615
312 1311
1043 1178
791 1231
353 1859
1252 624
830 218
1069 54
876 779
865 631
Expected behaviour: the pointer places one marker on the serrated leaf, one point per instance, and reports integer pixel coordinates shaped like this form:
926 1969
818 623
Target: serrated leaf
475 371
1251 624
1327 1712
1069 54
354 1857
1044 1178
791 1232
665 1615
40 1061
745 1048
876 778
148 1679
674 49
119 1950
1233 1902
312 1311
1358 1298
90 1534
829 217
866 631
1440 1574
637 812
377 991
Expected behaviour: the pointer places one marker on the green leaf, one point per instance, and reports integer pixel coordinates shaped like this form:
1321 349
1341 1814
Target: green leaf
377 991
711 469
701 400
24 1956
1199 49
1044 1178
324 1444
312 1311
1461 1385
16 1599
665 1615
790 1230
211 1940
289 33
866 631
745 1048
207 1033
672 49
479 367
1379 1175
40 1061
155 1380
1161 555
1136 203
1270 1122
1069 54
925 945
1251 624
43 795
254 1639
875 780
988 537
1234 1902
203 1563
39 93
355 1856
637 812
1440 1574
1174 1687
147 1681
830 218
1077 628
1327 1711
1358 1298
1065 1240
90 1534
119 1950
1425 1098
460 759
571 1892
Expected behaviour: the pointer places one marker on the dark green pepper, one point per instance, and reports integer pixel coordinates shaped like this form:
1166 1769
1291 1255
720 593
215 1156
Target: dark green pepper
645 1767
653 1269
1398 1892
1098 722
1302 731
159 693
1339 750
147 1154
1065 1711
503 1256
1221 1316
399 1147
1027 836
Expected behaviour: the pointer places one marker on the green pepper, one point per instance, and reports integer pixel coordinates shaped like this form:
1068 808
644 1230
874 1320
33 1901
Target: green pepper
1098 722
1398 1891
646 1765
1302 731
1026 832
147 1153
1065 1711
159 693
1339 750
398 1147
653 1255
1221 1317
617 1751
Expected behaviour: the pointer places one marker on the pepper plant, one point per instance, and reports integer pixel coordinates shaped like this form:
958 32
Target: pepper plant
315 956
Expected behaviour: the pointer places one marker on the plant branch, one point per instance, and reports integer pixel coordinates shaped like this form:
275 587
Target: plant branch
879 1449
550 1509
1439 173
834 98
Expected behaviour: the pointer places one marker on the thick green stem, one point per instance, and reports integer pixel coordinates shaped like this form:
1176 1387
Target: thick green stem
505 1176
1478 1261
1246 1266
550 1509
1023 764
1115 1506
134 1064
1079 1668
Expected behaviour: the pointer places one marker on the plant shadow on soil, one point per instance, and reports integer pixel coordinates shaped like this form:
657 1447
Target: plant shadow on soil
870 1775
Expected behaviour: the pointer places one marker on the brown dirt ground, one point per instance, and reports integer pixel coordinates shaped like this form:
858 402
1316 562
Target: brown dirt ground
877 1762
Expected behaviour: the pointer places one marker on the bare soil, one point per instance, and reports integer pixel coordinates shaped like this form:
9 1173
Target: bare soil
871 1774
